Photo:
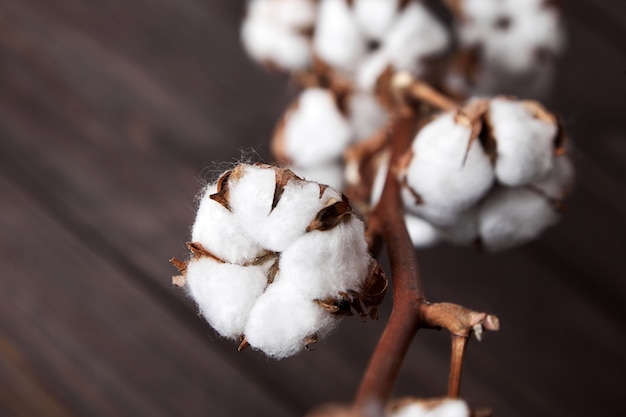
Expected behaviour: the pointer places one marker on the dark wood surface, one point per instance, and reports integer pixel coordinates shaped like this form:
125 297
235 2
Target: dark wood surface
112 115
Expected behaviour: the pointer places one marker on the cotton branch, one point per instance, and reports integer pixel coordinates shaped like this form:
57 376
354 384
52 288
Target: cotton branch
411 311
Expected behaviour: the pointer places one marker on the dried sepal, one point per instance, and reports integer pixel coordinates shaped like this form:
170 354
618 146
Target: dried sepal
221 196
283 176
199 251
331 215
179 281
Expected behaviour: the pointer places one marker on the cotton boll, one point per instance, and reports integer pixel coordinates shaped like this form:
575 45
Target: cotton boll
321 264
315 131
225 292
218 231
524 143
375 17
330 173
423 408
422 233
338 39
513 216
517 38
282 319
443 171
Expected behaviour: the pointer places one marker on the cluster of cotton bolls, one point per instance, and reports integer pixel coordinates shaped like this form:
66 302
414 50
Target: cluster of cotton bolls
493 172
358 38
446 407
277 260
509 46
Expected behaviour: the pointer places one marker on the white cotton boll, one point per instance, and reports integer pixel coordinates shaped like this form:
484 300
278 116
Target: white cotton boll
217 230
315 131
443 171
511 32
282 319
447 408
422 233
375 16
524 142
321 264
367 116
338 39
513 216
225 292
559 181
268 42
330 173
416 34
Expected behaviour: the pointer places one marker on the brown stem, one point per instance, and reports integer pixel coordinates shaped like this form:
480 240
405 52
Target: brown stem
426 93
408 292
459 343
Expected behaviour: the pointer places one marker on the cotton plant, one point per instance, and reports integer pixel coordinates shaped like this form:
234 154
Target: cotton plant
377 149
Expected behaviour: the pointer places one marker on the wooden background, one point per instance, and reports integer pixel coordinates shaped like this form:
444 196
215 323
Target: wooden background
113 113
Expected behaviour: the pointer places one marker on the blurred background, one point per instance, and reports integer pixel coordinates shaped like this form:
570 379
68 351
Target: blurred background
112 116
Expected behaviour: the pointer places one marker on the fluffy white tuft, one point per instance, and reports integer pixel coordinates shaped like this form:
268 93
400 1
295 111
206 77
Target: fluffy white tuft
338 39
272 32
512 216
322 264
447 175
225 292
524 142
218 231
330 173
375 17
282 319
315 130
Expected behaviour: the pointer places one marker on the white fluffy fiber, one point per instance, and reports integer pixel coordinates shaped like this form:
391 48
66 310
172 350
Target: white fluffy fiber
315 131
532 26
512 216
525 144
414 35
270 297
447 408
282 319
225 292
275 230
322 264
217 230
375 17
447 176
338 39
271 32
